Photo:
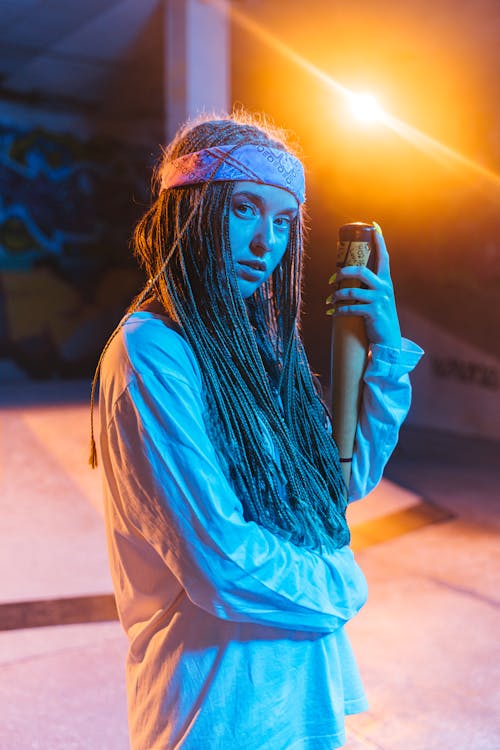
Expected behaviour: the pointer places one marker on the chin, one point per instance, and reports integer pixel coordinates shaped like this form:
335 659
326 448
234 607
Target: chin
247 288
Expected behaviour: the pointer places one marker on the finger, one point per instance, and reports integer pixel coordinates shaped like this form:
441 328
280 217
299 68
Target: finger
359 273
353 293
381 254
362 311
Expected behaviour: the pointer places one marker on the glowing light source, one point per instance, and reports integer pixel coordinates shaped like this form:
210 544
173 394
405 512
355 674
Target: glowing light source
448 157
366 108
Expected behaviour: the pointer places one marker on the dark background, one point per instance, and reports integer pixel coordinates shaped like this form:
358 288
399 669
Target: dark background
82 100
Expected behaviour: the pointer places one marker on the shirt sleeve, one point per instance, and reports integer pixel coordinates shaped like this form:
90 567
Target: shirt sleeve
385 403
163 467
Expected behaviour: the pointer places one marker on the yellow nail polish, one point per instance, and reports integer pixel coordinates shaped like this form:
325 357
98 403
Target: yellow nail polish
378 228
332 278
331 311
329 299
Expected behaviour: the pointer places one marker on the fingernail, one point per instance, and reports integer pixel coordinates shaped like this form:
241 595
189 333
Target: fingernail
332 278
331 311
329 299
378 228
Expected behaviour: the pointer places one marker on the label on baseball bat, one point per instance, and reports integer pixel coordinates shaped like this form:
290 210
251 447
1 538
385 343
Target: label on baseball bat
355 245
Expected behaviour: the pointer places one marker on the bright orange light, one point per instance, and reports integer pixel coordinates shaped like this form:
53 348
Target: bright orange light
439 152
366 108
443 154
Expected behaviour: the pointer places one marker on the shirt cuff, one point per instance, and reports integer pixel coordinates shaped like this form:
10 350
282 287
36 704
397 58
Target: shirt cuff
401 360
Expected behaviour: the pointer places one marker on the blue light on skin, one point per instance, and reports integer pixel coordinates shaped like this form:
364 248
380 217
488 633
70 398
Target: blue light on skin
259 230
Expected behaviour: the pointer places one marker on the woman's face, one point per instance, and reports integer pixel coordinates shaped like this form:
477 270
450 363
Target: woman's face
259 229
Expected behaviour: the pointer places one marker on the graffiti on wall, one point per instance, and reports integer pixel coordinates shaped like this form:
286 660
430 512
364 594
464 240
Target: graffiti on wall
466 371
67 209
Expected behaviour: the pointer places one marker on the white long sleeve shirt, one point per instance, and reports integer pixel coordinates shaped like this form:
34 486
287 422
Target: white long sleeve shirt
236 636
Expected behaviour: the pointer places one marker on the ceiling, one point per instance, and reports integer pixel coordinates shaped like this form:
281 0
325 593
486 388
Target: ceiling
95 58
101 59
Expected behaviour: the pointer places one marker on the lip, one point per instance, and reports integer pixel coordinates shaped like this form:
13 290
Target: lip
256 265
251 270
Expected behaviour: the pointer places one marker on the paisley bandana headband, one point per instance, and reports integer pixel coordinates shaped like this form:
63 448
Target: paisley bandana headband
248 162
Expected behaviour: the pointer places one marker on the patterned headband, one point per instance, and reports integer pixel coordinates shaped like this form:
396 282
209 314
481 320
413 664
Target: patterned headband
248 162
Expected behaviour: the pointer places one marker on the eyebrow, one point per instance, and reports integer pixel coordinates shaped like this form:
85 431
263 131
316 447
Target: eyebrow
259 202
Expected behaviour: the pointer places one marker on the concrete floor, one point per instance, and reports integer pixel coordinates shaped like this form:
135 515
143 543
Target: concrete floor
427 641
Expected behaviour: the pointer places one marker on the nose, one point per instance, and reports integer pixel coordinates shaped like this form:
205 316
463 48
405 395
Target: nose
264 238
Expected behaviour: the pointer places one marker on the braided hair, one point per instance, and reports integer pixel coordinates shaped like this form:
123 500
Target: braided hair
256 376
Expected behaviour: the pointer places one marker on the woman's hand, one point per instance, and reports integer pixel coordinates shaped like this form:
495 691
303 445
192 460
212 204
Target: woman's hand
374 301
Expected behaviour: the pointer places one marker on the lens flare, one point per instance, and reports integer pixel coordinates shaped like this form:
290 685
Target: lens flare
448 157
365 108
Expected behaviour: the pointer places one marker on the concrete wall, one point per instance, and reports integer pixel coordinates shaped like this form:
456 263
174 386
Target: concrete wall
456 387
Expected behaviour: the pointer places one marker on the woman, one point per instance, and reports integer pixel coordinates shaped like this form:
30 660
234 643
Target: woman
225 506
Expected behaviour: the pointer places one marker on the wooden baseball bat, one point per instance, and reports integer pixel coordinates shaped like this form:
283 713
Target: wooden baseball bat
349 347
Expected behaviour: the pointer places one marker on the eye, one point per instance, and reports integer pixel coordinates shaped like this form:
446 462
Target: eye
282 222
244 209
